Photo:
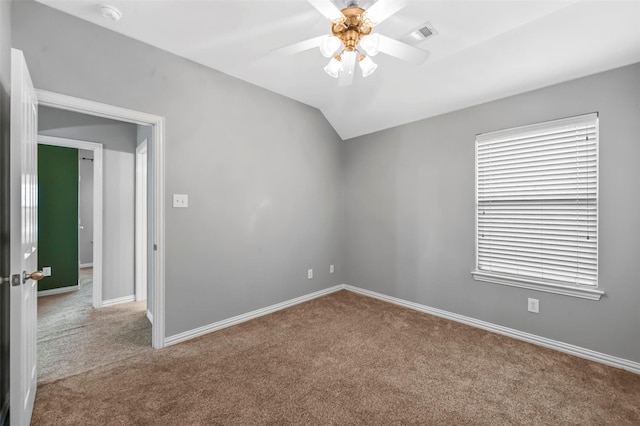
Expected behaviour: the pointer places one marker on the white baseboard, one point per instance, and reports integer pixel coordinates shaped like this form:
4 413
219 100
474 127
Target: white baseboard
578 351
200 331
58 290
86 265
117 301
150 317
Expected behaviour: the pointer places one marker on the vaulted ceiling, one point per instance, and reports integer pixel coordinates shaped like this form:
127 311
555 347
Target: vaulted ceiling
483 50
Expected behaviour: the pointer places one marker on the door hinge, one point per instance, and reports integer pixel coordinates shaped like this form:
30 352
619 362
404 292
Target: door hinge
155 247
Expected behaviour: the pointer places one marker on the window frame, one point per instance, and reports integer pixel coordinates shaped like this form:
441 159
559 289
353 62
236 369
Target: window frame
533 283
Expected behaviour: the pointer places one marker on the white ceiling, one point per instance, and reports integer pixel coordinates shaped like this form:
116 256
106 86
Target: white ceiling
483 50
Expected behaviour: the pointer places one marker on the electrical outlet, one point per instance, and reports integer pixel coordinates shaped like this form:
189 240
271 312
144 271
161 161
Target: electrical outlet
533 305
46 271
310 274
331 269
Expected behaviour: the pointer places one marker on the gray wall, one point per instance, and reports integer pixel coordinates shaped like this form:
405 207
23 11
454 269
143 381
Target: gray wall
118 223
5 90
410 214
113 135
86 206
119 142
142 133
263 172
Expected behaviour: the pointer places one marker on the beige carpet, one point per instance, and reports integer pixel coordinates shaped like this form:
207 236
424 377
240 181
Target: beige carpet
345 359
73 337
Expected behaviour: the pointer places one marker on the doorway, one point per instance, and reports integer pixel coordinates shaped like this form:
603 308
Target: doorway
156 270
97 235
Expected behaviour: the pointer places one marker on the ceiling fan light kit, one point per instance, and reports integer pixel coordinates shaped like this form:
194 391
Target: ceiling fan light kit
329 45
351 40
349 32
334 67
371 44
367 65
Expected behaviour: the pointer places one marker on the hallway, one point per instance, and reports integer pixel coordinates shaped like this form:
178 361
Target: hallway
73 337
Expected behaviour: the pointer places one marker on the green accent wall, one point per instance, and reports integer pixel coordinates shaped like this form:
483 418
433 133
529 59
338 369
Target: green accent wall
58 215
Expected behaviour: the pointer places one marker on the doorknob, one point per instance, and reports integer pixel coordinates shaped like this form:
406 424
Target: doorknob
36 276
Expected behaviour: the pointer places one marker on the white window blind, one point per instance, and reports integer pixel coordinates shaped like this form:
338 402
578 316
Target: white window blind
537 202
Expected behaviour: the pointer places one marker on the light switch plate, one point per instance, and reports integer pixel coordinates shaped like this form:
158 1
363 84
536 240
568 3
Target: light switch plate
180 200
46 271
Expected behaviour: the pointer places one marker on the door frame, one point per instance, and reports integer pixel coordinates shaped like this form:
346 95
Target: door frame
97 203
141 240
155 207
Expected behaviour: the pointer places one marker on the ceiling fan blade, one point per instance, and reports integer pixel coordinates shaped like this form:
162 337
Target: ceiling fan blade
402 50
348 69
384 9
327 8
301 46
345 79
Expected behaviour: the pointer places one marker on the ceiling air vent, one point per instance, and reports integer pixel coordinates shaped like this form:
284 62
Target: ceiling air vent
422 33
425 31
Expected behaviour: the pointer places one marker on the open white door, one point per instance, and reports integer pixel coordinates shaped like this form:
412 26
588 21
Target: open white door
23 240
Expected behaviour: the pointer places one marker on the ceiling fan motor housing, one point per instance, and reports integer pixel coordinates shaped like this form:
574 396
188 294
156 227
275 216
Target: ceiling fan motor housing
352 27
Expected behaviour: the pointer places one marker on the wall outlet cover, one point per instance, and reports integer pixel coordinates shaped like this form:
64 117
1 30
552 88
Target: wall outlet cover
309 273
533 305
181 200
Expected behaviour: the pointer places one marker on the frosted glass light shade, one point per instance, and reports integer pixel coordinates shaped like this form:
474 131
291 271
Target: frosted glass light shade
371 44
333 68
329 45
367 66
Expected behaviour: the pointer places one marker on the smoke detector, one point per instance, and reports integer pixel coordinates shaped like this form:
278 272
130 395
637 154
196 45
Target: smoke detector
110 12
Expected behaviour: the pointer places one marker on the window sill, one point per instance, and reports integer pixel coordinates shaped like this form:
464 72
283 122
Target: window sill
539 285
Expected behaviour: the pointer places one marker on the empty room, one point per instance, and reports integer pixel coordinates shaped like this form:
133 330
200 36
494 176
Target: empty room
353 212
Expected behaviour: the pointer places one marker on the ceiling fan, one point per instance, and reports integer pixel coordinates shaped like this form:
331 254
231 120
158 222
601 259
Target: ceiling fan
351 40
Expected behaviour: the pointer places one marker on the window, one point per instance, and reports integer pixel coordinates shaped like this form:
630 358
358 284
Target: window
537 207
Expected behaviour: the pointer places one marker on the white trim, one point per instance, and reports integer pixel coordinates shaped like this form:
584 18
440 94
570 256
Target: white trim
97 204
578 351
86 265
118 300
533 284
576 120
158 273
84 106
567 348
150 317
200 331
141 240
60 290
